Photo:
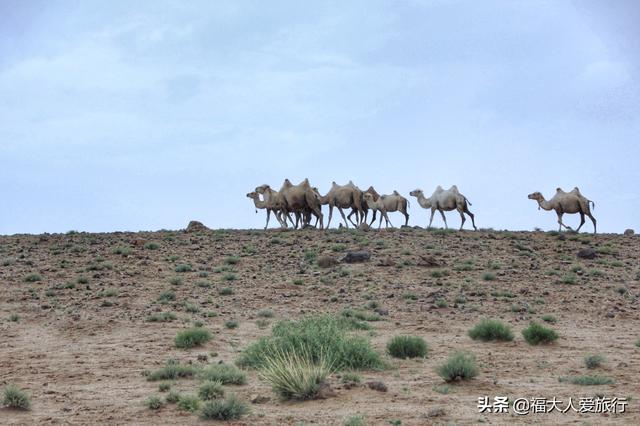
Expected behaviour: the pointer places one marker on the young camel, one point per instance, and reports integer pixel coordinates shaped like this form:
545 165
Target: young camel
378 205
365 206
343 197
270 208
445 201
566 202
277 200
392 203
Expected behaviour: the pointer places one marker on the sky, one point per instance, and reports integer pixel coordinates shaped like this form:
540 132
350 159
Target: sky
136 115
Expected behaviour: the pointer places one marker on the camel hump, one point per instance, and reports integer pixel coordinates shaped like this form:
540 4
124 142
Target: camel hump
559 190
395 192
453 188
439 188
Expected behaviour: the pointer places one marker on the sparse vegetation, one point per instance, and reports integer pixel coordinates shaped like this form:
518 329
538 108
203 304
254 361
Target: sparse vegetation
33 277
210 389
459 366
537 334
488 276
592 361
228 409
588 380
154 402
173 371
162 317
407 347
231 324
225 291
183 267
491 329
192 337
16 398
224 373
189 403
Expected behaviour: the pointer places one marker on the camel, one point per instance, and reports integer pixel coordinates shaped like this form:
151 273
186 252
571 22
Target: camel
343 197
566 202
444 201
381 206
387 204
270 206
365 207
277 200
300 199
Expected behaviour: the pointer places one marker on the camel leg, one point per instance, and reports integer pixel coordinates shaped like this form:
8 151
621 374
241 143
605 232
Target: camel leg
593 219
357 217
319 216
343 217
406 218
353 211
444 218
560 222
388 222
433 211
463 219
373 219
268 216
330 214
581 221
473 222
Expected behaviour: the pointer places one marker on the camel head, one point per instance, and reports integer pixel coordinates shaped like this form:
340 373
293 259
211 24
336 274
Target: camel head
261 189
253 195
368 197
536 196
416 193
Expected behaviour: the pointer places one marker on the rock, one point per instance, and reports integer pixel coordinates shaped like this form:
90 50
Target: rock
357 256
429 261
195 226
325 391
377 385
629 231
382 312
387 261
259 399
587 253
364 227
326 261
436 412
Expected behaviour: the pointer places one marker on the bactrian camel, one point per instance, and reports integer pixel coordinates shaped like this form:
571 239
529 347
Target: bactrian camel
301 200
387 204
567 202
445 201
343 197
270 206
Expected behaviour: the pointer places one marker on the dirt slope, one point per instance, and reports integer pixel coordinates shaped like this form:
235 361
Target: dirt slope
82 341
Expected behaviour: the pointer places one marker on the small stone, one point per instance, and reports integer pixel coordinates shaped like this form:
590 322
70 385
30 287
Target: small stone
378 386
587 253
382 312
364 227
259 399
326 261
436 412
195 226
325 391
357 256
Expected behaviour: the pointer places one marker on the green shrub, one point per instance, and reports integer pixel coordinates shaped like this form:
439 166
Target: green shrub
14 397
588 380
266 313
173 397
491 329
488 276
537 334
549 318
592 361
294 374
14 317
172 371
192 337
152 245
351 378
321 336
183 267
232 260
154 402
163 387
360 315
407 347
231 324
161 317
189 403
229 277
569 278
228 409
459 366
355 420
124 251
167 296
225 291
31 278
175 281
210 390
224 373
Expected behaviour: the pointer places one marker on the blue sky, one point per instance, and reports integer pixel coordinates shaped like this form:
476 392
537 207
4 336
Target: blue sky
135 115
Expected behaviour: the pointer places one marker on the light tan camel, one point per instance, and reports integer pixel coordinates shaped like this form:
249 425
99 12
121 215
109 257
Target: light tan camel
388 203
276 200
365 208
378 206
300 199
566 202
343 197
444 201
270 206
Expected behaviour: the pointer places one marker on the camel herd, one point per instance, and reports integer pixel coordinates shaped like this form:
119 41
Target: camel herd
305 202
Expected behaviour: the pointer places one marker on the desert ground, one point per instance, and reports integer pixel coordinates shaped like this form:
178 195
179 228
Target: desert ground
76 334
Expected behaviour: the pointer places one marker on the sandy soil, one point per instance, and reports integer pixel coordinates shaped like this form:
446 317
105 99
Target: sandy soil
80 350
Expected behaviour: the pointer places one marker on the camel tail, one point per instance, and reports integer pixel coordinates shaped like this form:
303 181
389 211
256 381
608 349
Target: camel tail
592 204
467 200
